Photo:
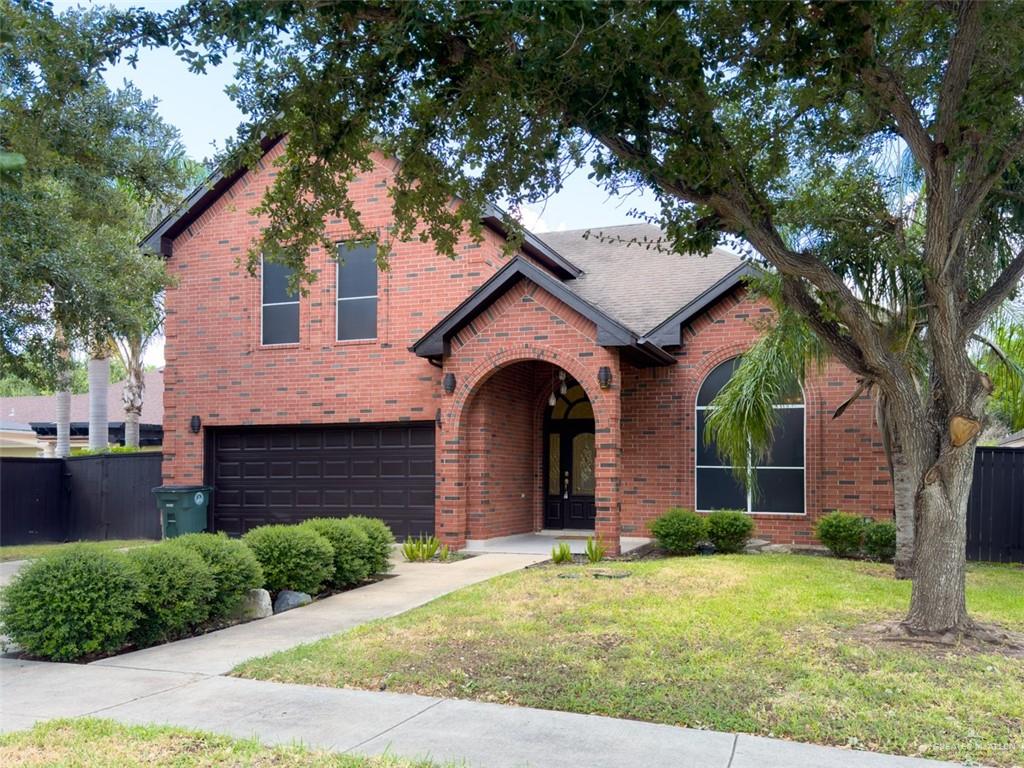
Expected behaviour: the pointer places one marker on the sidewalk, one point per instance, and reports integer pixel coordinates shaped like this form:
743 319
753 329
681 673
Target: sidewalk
367 722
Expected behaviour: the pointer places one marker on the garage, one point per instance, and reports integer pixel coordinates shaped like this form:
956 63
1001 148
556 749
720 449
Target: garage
265 475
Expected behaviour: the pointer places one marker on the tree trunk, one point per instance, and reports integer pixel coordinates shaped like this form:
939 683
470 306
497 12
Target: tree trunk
132 396
63 420
904 485
99 385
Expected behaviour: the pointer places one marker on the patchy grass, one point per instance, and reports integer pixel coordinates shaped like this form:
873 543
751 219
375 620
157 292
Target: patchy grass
758 644
103 744
28 551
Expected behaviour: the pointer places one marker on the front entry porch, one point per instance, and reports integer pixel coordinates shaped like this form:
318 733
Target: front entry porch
542 542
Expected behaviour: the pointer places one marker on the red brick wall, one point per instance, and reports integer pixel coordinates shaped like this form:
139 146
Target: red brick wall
218 370
845 465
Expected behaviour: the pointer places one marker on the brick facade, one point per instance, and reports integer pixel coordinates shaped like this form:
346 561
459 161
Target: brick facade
489 450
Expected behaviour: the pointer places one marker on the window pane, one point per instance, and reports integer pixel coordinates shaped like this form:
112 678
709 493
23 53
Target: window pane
582 410
357 271
281 324
275 283
357 319
718 489
780 490
706 452
716 380
788 447
554 464
583 464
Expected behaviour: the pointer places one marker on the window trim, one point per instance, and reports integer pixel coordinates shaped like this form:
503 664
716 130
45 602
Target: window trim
696 441
264 304
338 298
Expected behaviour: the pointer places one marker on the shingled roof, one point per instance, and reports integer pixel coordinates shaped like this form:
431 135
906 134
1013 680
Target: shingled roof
629 273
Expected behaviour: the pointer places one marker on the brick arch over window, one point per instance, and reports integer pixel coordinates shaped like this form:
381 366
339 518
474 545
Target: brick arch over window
453 443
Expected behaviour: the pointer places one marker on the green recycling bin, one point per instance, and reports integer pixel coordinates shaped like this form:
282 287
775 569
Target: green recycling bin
182 508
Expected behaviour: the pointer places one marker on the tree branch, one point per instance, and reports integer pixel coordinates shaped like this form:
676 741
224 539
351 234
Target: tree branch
958 69
882 81
974 192
1000 290
827 330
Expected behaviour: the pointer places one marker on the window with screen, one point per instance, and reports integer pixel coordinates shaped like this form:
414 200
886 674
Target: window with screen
280 319
357 291
780 475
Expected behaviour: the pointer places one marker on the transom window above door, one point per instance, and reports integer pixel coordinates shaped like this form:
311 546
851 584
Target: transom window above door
280 305
357 292
780 475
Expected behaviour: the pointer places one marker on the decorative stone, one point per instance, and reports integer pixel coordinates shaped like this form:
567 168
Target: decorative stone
255 605
756 545
287 599
778 549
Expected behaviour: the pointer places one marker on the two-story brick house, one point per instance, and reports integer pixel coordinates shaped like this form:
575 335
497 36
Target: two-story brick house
562 388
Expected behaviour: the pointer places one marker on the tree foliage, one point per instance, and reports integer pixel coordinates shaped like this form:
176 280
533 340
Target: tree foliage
95 160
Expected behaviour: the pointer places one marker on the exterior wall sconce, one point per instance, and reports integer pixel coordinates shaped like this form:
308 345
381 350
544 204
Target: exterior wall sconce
448 382
604 377
195 424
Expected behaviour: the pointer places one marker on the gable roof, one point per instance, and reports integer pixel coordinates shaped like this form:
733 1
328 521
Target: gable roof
640 284
610 332
42 409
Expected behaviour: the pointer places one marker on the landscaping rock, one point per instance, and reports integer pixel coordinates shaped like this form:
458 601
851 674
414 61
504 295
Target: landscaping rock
286 600
255 605
778 549
756 545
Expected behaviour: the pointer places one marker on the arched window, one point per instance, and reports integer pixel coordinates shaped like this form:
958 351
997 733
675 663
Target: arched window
780 475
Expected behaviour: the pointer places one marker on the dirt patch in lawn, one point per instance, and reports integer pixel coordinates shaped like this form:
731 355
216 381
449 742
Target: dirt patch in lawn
983 639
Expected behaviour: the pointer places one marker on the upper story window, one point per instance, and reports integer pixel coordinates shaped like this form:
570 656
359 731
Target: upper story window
780 475
280 305
357 291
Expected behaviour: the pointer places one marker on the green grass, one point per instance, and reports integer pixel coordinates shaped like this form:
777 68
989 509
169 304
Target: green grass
103 744
26 551
765 644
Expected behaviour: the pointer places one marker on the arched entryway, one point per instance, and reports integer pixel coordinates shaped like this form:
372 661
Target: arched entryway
570 454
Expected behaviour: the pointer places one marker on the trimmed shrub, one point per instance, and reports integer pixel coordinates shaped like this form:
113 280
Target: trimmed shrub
680 530
80 601
841 532
351 548
381 541
880 541
729 530
292 557
233 566
177 591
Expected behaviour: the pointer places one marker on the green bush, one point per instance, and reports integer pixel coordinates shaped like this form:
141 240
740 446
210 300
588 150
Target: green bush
177 590
381 541
351 548
82 600
842 533
880 541
420 549
680 530
729 530
232 565
292 557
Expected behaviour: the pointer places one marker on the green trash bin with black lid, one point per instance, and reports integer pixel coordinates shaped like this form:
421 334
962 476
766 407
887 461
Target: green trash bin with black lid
182 508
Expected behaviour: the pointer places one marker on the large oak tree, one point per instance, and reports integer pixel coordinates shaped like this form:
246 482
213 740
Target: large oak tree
759 123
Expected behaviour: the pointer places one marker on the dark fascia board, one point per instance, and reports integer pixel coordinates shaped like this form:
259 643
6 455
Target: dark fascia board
161 238
494 218
669 333
610 333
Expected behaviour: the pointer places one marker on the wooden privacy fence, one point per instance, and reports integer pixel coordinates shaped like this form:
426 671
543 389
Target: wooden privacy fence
995 512
82 497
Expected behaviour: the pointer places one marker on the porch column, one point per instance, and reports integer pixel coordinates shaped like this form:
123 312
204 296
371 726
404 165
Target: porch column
607 475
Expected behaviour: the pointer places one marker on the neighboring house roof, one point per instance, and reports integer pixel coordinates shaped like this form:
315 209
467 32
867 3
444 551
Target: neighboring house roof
1016 440
629 272
35 409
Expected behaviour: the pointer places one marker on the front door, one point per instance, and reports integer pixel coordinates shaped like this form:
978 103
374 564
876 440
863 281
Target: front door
570 454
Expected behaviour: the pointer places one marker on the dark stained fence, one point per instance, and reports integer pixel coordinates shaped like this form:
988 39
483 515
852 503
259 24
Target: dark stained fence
995 511
83 497
32 507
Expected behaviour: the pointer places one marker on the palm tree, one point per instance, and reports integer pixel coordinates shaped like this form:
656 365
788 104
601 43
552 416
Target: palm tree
99 388
130 344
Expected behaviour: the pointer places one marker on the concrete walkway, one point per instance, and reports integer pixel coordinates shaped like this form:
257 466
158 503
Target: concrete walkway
367 722
181 684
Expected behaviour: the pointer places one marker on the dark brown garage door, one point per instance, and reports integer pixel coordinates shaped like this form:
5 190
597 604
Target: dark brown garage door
287 474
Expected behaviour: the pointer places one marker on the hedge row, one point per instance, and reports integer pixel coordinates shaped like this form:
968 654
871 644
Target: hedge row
680 531
848 535
84 600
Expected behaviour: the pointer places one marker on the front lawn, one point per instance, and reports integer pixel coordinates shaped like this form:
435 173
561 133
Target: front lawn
28 551
767 644
103 743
